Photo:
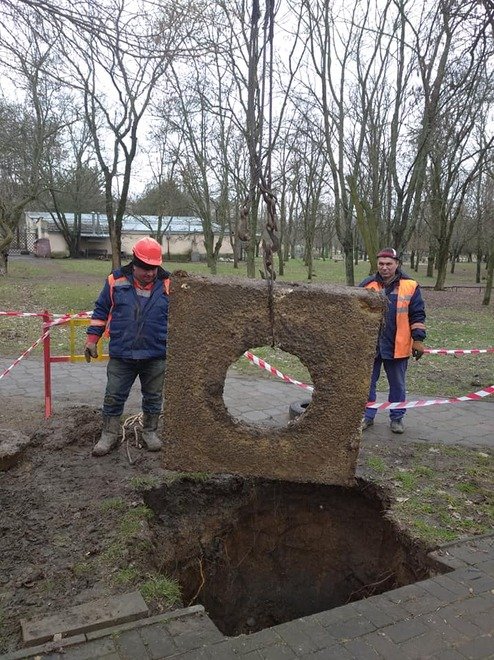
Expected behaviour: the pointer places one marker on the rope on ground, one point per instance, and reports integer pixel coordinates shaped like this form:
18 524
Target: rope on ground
132 423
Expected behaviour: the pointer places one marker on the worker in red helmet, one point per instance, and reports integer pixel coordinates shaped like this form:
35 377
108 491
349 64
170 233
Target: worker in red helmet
401 336
132 310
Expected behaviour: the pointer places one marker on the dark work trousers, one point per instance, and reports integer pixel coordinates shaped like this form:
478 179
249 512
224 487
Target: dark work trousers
121 376
395 371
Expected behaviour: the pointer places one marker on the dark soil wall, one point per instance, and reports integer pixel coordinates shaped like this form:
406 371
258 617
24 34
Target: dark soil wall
256 553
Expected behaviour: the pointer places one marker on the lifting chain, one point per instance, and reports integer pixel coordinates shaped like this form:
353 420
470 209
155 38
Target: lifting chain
259 180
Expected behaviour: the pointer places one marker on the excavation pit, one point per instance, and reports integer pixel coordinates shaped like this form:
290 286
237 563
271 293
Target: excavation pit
256 553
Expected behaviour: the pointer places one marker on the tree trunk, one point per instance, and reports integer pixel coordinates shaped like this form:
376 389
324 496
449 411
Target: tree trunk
236 250
417 261
431 258
490 275
4 259
478 266
309 264
349 269
442 263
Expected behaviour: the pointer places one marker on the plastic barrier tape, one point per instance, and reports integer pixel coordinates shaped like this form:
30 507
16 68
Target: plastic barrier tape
262 364
474 396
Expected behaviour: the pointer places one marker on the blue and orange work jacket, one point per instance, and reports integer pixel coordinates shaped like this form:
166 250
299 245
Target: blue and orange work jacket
135 319
405 316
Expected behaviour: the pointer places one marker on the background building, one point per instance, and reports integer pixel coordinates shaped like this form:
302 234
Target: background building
181 240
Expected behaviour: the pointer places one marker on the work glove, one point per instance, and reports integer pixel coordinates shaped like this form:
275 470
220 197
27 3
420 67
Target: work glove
418 349
91 348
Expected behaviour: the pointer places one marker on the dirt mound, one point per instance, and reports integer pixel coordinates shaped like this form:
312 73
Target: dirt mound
60 516
75 426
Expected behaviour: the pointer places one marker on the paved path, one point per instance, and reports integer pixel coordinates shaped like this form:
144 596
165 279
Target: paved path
256 399
447 617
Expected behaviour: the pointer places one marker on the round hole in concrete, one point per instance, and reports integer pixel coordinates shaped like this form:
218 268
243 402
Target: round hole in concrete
257 553
255 395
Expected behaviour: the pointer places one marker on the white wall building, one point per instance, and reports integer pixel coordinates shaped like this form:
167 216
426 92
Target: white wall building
183 236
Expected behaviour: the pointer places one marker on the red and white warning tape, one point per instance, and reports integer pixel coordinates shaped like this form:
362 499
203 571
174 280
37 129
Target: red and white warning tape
21 357
474 396
457 351
272 370
65 317
20 314
59 319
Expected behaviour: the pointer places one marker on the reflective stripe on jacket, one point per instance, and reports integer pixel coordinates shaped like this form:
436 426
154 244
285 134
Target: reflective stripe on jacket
135 319
405 316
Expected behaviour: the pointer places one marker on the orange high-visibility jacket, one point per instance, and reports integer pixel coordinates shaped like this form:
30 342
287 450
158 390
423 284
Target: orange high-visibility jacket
405 316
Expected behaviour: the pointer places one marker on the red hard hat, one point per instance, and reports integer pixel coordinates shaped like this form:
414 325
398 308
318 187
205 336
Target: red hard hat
148 250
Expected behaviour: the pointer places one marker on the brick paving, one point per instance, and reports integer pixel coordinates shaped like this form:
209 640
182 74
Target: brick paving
449 616
445 617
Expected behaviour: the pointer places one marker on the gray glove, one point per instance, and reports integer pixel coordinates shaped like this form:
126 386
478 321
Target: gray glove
417 349
90 350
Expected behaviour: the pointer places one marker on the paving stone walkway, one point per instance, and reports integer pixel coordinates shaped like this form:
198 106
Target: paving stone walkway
447 617
256 399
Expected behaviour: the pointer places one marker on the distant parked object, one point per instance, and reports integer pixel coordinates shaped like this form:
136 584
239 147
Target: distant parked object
42 247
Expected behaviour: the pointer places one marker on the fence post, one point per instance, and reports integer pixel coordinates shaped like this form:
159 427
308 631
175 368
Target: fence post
47 363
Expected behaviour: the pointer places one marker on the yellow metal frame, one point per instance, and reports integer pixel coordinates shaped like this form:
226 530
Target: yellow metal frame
75 357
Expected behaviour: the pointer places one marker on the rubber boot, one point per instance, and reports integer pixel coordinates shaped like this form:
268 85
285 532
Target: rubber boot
149 426
109 436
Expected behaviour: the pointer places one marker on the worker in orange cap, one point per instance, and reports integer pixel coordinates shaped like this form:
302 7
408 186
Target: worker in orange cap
132 309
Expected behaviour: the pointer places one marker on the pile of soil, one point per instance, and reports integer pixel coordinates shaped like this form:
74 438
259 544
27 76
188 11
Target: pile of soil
59 508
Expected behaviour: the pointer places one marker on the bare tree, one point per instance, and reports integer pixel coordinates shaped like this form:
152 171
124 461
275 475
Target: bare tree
201 153
117 80
162 197
488 226
311 182
455 162
29 131
255 75
73 184
349 61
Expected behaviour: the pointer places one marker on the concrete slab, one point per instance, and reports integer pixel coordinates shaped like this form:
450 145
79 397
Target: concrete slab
212 322
83 618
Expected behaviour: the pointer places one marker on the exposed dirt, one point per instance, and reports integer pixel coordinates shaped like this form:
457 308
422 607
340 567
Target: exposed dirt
73 528
257 553
59 514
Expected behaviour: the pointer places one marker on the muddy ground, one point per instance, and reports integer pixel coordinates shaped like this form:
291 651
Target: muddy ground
74 528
